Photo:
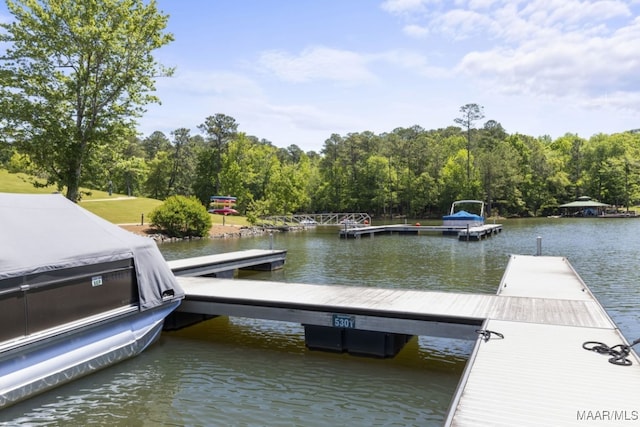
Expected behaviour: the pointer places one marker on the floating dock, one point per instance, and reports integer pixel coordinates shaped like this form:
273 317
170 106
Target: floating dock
225 265
540 374
529 365
464 233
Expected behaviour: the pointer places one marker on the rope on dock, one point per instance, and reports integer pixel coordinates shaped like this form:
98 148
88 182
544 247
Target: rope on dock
619 357
486 334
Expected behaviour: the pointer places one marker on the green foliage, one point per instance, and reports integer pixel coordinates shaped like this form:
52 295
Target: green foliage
6 152
418 172
155 143
157 183
74 76
256 210
181 216
220 130
19 163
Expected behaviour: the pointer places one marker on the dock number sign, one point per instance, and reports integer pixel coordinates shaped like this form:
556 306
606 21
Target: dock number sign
344 321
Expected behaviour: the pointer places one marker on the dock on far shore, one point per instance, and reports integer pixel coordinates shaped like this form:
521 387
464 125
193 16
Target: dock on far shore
477 232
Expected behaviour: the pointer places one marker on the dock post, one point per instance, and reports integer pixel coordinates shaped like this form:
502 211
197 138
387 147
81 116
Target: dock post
539 246
270 241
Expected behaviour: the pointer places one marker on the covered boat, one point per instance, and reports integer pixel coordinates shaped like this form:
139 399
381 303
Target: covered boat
77 294
463 218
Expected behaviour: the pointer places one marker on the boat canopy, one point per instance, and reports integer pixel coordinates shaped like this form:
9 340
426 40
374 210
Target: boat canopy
463 215
584 204
42 233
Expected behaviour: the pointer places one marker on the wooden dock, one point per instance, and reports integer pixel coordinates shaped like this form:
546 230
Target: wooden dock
531 370
463 233
224 265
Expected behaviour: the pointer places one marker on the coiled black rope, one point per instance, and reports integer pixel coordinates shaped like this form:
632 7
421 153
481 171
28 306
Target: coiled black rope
618 352
486 334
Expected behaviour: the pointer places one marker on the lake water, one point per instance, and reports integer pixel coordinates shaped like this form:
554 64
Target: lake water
246 372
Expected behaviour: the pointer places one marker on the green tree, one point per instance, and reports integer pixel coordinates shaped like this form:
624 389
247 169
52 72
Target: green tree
182 153
610 164
334 176
155 143
6 152
452 175
128 175
157 183
219 131
570 151
470 114
74 76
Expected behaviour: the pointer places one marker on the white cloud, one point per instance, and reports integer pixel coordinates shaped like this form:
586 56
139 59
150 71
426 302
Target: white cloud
310 117
573 65
416 31
409 60
481 4
567 49
564 14
460 24
210 83
317 63
405 6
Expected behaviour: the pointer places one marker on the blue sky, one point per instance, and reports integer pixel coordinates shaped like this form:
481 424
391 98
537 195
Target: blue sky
297 71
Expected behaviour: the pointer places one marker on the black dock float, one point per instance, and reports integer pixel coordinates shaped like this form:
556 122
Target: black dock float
354 341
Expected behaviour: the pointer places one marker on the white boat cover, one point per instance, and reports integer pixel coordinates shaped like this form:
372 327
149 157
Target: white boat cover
48 232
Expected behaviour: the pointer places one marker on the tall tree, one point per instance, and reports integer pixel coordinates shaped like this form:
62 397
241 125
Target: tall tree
183 158
471 113
155 143
74 76
219 130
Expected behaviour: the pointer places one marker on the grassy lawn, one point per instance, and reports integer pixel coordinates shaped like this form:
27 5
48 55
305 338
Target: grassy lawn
20 183
117 208
122 211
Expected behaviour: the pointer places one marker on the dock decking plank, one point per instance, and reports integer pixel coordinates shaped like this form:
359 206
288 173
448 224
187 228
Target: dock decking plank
210 264
538 374
456 307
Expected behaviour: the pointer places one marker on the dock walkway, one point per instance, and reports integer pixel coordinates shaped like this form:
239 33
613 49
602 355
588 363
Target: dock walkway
224 265
540 374
532 371
463 233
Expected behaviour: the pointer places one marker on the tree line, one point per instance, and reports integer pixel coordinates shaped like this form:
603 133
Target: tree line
410 172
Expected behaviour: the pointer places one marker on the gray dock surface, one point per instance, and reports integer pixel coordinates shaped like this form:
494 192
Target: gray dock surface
228 262
538 374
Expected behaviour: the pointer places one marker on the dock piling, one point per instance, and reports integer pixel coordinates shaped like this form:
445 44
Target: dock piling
539 246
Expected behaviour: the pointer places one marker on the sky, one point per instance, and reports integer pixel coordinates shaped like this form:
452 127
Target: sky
298 71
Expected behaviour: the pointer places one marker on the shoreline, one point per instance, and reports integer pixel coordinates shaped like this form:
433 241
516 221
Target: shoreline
216 231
